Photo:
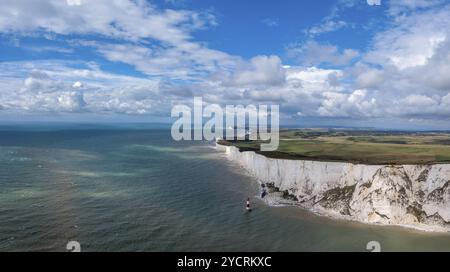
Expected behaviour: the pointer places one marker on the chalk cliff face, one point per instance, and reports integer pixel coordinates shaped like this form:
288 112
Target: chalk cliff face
409 195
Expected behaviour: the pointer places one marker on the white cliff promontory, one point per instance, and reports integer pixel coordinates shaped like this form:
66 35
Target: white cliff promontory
415 196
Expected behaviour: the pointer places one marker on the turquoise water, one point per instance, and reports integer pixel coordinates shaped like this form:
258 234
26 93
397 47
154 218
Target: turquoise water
123 189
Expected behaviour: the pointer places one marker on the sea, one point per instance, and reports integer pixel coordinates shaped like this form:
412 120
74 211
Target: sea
130 187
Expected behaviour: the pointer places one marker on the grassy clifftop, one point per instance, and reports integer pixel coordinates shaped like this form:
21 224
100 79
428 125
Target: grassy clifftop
357 146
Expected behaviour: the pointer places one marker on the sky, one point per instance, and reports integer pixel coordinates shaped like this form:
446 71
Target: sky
353 63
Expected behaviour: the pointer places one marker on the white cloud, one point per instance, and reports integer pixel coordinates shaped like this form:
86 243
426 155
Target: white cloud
354 105
412 42
407 67
71 101
74 2
327 26
312 53
374 2
260 70
122 19
77 85
49 87
418 101
271 22
157 42
434 74
398 7
417 105
404 72
333 21
370 78
182 62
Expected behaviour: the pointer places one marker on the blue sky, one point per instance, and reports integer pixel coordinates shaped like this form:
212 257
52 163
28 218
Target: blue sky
346 62
249 28
244 28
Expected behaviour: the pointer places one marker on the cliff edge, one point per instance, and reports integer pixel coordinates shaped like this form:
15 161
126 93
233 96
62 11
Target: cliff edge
416 196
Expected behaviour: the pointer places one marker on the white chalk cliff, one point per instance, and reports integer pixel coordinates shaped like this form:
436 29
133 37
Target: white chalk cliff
415 196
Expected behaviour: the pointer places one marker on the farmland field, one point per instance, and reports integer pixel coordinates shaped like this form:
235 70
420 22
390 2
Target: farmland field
358 146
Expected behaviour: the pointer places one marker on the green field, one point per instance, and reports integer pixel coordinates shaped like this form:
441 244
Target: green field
358 146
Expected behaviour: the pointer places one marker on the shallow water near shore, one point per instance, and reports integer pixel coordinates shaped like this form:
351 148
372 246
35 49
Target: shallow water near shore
134 189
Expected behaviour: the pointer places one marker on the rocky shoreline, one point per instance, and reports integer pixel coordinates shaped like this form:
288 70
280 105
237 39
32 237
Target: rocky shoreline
413 196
